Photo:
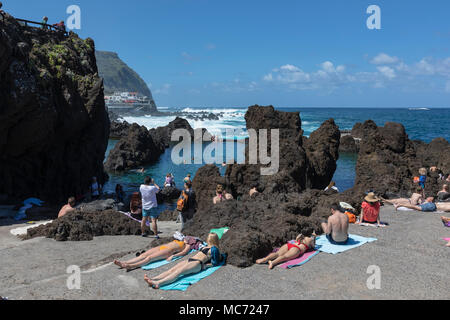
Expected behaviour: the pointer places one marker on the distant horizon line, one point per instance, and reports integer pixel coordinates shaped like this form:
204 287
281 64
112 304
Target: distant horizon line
319 107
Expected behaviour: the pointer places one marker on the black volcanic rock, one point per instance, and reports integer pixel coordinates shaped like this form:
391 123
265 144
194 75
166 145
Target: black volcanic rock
135 150
348 144
285 206
119 130
388 161
163 135
54 126
168 194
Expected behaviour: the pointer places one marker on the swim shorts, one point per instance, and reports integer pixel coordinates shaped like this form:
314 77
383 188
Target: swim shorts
428 207
152 213
330 238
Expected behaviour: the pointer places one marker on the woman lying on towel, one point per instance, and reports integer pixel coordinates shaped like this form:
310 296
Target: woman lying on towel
291 250
207 257
168 251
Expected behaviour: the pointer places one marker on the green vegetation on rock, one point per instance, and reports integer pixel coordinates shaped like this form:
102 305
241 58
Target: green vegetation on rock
118 76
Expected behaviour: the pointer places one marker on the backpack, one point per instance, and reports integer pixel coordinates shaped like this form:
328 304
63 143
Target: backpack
182 203
351 217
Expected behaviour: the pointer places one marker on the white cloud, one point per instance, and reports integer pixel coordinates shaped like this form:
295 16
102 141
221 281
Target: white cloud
383 58
210 46
386 71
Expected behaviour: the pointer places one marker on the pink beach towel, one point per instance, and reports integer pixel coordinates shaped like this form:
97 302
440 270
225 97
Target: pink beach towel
447 239
300 260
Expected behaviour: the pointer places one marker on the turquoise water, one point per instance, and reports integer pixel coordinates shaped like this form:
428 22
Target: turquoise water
420 124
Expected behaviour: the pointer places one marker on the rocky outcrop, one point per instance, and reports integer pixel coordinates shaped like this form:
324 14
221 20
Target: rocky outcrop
119 130
286 204
348 144
135 150
168 194
388 160
84 226
54 126
163 135
138 146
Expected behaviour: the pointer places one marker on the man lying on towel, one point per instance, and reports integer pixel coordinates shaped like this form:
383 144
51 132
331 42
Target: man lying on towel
427 206
336 228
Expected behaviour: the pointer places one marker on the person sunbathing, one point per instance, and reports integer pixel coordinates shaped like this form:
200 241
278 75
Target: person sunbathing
416 199
166 251
289 251
443 206
209 256
427 206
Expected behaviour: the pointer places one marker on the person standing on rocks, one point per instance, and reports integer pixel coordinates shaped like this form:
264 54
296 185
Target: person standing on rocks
336 228
96 189
149 205
186 204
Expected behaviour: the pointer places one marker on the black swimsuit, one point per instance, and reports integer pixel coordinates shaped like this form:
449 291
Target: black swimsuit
206 252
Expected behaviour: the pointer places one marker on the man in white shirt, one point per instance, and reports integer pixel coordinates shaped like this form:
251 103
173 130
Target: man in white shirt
149 204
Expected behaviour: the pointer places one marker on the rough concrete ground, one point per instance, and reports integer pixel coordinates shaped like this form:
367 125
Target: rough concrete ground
411 254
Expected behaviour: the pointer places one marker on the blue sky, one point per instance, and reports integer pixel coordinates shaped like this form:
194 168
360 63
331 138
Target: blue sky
286 53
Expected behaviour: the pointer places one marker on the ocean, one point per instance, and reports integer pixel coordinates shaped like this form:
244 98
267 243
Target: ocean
420 123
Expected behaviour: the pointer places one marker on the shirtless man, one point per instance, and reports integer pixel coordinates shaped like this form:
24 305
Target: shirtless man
336 228
69 207
427 206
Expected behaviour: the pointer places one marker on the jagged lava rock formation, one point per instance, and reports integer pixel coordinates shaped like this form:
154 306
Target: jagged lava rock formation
286 205
388 160
53 123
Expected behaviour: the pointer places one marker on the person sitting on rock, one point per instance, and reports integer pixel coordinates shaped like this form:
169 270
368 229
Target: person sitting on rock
168 251
136 205
169 182
444 194
336 228
291 250
427 206
416 199
68 208
208 256
221 195
370 210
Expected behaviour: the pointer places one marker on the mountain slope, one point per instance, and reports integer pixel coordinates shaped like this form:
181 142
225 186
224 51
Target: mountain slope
118 76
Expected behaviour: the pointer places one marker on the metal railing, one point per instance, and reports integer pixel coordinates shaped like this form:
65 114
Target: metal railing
40 24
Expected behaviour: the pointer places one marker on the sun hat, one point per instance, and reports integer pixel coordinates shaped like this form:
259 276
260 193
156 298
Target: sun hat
371 198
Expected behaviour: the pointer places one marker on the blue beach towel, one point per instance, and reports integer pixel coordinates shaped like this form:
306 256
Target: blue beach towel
183 283
160 263
324 245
